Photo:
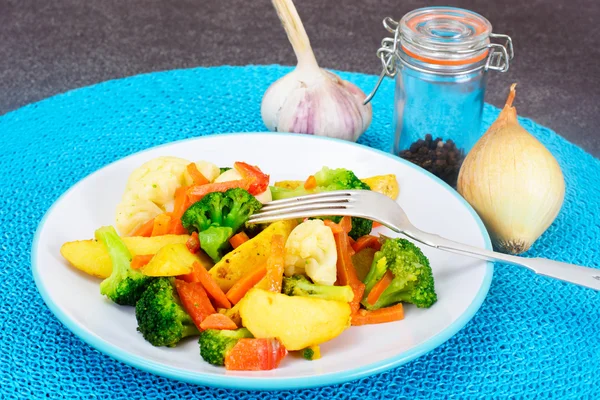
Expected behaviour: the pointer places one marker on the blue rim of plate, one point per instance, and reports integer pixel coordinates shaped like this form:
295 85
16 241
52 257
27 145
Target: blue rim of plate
250 383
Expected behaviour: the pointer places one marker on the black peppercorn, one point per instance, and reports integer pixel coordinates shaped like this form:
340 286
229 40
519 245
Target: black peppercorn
442 159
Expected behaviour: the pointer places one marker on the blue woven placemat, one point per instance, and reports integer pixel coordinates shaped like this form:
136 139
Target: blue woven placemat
533 337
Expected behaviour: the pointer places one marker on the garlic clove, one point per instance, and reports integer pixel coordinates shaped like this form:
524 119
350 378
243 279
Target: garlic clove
323 108
513 182
275 97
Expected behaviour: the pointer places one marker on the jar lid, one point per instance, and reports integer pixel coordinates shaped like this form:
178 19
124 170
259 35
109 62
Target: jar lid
445 35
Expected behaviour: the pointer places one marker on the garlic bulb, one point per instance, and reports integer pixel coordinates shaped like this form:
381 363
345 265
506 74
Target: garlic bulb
309 99
513 182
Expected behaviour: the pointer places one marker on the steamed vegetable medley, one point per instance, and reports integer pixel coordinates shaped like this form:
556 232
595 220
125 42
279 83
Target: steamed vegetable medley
182 253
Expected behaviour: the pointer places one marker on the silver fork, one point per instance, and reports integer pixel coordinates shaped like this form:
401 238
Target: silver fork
380 208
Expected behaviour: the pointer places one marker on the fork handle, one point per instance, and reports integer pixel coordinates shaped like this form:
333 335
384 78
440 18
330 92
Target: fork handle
583 276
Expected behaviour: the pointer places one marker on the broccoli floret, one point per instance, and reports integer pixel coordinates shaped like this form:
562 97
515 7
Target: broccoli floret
215 241
254 229
161 318
228 210
241 205
311 353
308 353
205 213
330 180
413 279
299 285
339 179
231 208
215 344
124 286
224 169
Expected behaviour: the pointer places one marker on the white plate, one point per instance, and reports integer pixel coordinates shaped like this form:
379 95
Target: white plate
461 283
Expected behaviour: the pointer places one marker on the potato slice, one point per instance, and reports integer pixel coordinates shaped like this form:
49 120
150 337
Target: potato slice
250 255
88 256
298 322
384 184
288 184
172 260
91 257
233 313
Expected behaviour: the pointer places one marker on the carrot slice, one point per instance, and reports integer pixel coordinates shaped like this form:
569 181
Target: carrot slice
351 251
193 243
311 183
247 282
196 175
275 264
181 202
366 241
144 230
255 355
213 290
194 300
180 205
376 224
386 314
346 274
197 192
161 225
380 287
193 276
140 260
335 228
218 321
238 239
176 227
346 224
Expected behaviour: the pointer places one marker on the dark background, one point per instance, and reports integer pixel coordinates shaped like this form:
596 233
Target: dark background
48 47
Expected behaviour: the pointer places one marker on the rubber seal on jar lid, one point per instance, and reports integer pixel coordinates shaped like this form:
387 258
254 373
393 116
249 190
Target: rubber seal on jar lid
445 35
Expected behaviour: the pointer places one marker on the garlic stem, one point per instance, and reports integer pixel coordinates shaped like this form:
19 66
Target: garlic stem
297 35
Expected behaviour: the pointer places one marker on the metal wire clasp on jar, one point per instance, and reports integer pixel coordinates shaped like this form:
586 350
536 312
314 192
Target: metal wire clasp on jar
440 57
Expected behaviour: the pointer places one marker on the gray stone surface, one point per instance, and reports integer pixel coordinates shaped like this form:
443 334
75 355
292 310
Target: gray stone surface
48 47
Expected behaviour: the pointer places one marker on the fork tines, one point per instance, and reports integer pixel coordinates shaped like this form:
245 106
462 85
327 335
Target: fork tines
312 205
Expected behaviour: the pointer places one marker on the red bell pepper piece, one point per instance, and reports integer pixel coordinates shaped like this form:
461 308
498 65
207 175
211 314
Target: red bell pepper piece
254 181
259 180
193 243
255 355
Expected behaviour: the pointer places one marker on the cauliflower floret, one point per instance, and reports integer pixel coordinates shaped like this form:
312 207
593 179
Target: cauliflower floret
151 188
229 175
233 175
157 179
310 249
133 212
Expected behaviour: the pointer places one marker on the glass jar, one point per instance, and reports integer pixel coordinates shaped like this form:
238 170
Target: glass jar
440 57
